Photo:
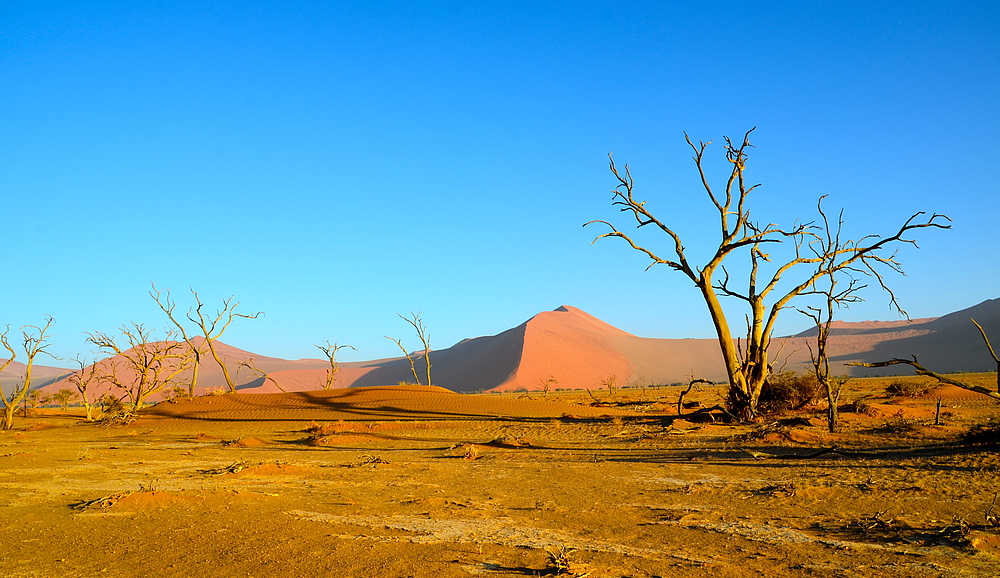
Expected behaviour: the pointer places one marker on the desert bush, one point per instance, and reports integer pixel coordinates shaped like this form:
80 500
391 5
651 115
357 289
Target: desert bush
861 406
903 388
788 390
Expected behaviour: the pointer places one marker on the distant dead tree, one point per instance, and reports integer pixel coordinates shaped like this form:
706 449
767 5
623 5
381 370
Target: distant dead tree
34 342
749 370
249 364
212 328
546 384
330 351
168 305
425 338
141 366
921 370
83 380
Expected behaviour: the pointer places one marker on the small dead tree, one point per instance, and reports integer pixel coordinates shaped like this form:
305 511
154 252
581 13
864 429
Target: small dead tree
546 384
989 346
249 365
141 366
168 305
34 342
747 373
828 250
425 338
212 328
82 380
330 352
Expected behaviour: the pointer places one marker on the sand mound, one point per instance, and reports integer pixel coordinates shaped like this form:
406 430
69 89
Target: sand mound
400 402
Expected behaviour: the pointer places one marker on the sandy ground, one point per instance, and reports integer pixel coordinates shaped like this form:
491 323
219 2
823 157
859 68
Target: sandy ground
422 482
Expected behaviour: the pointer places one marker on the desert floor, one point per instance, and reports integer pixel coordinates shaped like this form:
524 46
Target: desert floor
407 481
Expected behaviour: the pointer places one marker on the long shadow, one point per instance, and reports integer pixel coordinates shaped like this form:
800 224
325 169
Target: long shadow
366 411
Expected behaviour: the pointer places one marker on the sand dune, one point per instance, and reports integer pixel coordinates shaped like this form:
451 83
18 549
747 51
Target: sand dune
578 350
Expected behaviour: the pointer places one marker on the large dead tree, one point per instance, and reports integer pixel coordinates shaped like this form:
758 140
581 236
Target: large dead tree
141 366
212 328
34 343
766 292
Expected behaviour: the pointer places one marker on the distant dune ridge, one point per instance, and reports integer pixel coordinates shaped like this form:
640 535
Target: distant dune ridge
579 351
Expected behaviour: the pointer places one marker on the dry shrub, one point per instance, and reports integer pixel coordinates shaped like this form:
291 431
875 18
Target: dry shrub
861 406
903 388
562 564
788 390
318 430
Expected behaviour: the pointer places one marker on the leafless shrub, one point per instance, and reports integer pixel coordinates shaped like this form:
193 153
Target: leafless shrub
903 388
562 564
788 390
367 460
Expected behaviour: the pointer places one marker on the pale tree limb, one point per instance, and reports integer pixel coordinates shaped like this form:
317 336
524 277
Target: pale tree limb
989 346
249 364
921 370
413 367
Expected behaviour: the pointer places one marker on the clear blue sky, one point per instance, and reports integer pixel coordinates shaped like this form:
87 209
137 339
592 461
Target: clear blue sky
334 163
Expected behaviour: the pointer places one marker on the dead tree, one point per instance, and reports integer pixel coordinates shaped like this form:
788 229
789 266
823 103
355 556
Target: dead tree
34 343
82 380
330 351
425 338
828 249
168 306
249 364
141 366
747 373
989 346
212 328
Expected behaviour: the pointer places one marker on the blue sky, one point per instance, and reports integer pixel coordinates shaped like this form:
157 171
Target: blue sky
332 164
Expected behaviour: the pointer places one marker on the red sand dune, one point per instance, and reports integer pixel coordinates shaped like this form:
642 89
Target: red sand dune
579 351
